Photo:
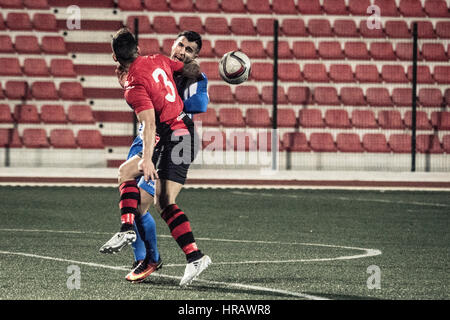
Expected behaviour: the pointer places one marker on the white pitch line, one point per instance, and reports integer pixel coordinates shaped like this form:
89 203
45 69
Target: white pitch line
235 285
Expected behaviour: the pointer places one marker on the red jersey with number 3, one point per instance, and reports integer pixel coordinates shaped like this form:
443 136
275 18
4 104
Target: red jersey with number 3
150 85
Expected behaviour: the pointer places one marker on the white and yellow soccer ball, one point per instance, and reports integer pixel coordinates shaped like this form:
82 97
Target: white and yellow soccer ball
235 67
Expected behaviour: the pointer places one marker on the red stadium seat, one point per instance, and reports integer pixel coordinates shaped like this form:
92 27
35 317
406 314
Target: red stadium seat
253 49
358 7
208 118
397 29
364 119
35 138
443 29
309 7
404 51
387 8
425 30
345 28
335 7
26 113
242 26
129 5
352 96
446 143
446 96
214 140
382 51
193 23
207 6
36 4
53 45
267 95
33 67
393 74
299 95
400 142
431 97
144 24
440 120
6 45
89 139
284 7
5 114
320 28
10 138
156 5
231 117
258 118
19 21
330 50
337 118
53 114
2 22
375 142
62 139
304 50
436 8
422 121
165 25
151 46
78 114
264 141
45 22
441 74
366 32
258 6
348 142
423 74
434 52
356 50
326 96
71 91
223 46
411 8
2 96
378 97
11 4
289 72
367 73
428 143
286 118
264 26
341 73
182 5
10 67
295 142
27 44
233 6
322 142
284 50
247 94
17 90
62 68
311 118
44 90
220 93
217 25
315 72
207 50
402 97
294 27
241 141
211 69
390 119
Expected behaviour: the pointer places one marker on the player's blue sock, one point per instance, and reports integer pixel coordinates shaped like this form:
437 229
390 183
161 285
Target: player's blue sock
146 243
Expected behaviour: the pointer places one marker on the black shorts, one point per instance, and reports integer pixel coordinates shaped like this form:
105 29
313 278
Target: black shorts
175 151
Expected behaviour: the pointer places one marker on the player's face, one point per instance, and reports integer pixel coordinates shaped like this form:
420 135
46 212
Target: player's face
183 50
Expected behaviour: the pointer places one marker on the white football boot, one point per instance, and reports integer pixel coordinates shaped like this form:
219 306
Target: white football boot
118 241
194 269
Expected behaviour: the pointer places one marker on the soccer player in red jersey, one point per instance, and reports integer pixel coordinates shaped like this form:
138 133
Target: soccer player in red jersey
151 92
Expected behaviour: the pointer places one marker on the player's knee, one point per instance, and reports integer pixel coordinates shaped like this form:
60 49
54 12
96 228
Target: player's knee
124 173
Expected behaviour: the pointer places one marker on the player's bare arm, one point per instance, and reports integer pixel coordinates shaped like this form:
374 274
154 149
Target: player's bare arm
147 118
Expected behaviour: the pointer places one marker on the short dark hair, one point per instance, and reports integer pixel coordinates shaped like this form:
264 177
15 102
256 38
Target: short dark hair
124 46
192 36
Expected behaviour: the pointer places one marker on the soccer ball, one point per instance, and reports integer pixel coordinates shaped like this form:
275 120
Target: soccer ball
234 67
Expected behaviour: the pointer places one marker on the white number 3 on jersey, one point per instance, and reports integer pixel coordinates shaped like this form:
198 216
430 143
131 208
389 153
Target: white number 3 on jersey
170 96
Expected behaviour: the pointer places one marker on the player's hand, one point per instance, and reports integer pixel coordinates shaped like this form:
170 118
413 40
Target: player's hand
122 74
191 70
148 168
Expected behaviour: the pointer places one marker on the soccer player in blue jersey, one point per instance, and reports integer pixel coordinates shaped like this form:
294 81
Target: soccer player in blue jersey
193 91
